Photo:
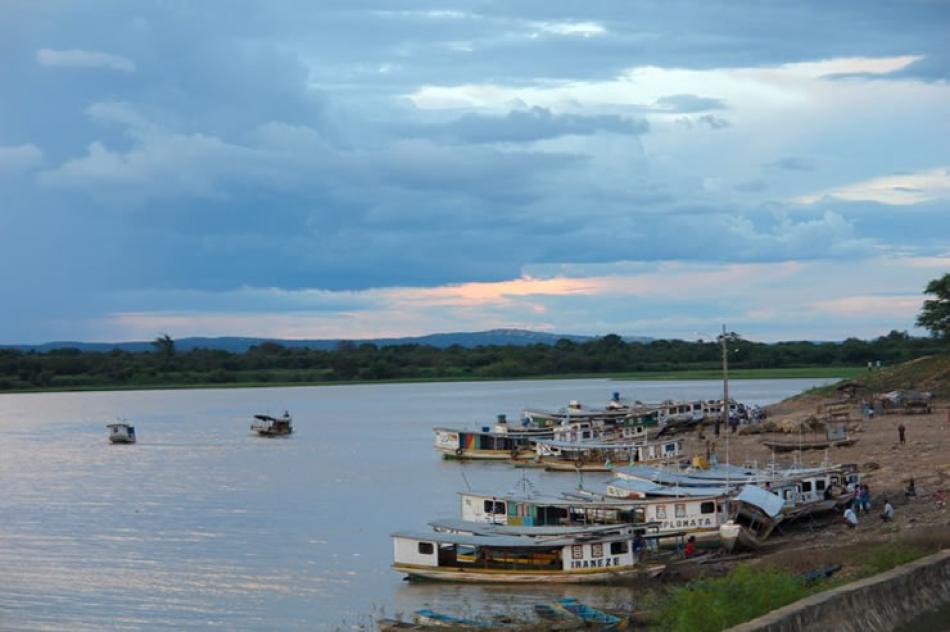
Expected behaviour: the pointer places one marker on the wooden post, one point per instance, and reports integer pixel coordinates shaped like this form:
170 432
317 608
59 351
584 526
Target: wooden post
724 417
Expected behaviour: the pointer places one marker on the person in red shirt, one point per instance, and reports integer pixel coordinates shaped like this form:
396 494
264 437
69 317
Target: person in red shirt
690 546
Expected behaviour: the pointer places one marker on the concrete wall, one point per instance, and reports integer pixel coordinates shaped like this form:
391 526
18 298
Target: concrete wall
877 604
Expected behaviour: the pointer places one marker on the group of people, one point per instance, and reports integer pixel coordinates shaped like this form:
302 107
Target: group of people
862 502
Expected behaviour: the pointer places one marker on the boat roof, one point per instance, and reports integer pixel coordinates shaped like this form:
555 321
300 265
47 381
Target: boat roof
482 528
550 500
498 541
577 446
768 502
511 432
264 417
654 489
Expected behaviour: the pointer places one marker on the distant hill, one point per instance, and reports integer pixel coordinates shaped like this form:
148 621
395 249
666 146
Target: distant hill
500 337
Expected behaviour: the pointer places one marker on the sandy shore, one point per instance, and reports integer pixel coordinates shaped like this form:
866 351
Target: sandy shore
886 467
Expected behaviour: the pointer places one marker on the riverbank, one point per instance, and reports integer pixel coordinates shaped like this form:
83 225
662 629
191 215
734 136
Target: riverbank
737 374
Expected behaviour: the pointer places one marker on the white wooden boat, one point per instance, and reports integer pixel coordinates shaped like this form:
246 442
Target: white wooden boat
757 511
667 517
267 426
590 556
121 433
602 456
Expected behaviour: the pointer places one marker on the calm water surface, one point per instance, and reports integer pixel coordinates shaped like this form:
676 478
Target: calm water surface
203 525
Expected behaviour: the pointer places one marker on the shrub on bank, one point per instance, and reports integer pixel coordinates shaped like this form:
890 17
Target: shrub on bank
715 604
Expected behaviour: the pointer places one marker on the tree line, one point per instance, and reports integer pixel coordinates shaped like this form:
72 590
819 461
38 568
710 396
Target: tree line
273 363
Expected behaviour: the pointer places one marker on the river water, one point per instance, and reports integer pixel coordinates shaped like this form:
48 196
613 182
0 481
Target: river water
203 525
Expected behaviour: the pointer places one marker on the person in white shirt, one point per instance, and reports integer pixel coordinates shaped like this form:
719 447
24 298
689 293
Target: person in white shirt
850 518
888 514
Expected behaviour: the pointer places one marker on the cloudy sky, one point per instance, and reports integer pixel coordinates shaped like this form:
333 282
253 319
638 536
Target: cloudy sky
357 168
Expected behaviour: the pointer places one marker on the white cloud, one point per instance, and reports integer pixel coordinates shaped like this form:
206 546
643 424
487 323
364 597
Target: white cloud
18 158
77 58
896 190
579 29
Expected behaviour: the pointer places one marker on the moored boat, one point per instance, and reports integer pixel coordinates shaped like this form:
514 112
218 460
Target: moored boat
595 456
593 556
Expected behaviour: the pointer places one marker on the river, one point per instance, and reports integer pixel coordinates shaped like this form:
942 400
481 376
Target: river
203 525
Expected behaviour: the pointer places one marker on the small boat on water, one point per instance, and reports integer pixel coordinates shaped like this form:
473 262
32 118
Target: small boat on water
121 433
267 426
590 617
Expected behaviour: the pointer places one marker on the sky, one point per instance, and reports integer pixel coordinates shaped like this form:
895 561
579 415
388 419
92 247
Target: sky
358 169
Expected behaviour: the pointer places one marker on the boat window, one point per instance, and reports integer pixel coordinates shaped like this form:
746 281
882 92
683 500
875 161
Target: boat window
680 511
597 550
426 548
586 434
806 486
661 511
495 507
617 548
577 551
707 507
819 485
669 447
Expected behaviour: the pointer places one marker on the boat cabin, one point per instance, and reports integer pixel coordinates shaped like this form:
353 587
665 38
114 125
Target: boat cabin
595 556
267 426
121 433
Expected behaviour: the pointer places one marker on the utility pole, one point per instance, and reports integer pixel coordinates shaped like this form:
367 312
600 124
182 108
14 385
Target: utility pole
724 418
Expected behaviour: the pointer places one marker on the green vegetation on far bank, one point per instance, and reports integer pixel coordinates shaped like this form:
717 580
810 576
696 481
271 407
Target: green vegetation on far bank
271 364
741 374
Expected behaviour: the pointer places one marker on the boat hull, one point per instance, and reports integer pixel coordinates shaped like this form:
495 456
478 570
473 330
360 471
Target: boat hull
484 455
122 440
783 446
492 576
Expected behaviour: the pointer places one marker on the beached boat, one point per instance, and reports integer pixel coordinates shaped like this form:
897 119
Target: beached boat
759 511
121 433
588 556
820 444
590 617
267 426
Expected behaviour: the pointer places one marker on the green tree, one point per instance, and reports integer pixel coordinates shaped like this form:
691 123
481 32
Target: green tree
935 314
164 345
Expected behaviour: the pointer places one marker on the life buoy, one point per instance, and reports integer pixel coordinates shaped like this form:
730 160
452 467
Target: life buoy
459 451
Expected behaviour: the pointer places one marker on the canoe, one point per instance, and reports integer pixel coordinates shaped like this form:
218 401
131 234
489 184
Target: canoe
791 446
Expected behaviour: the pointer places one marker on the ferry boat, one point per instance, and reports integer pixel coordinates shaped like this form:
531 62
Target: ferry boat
267 426
121 433
593 555
698 515
500 442
594 456
504 441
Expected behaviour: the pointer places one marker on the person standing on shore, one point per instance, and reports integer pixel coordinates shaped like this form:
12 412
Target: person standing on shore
850 518
900 433
865 497
888 514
